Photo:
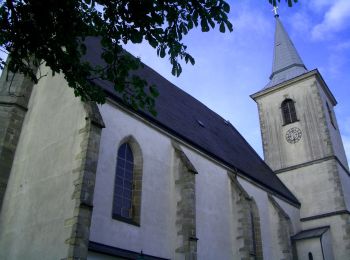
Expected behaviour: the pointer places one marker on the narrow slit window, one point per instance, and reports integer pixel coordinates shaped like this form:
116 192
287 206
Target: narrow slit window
330 115
252 249
310 256
288 111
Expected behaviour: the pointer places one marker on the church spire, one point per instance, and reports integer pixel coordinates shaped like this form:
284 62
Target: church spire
287 63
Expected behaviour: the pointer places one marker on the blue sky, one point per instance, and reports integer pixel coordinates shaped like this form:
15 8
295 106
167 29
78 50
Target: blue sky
231 66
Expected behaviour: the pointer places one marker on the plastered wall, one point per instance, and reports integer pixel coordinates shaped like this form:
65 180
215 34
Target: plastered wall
215 220
38 198
339 233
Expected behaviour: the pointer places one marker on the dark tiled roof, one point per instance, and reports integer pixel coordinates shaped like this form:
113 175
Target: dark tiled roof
310 233
190 120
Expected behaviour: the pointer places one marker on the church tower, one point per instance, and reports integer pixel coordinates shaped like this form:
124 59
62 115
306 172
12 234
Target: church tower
302 144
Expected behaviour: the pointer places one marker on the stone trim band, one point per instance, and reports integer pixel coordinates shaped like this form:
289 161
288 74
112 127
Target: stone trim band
313 162
325 215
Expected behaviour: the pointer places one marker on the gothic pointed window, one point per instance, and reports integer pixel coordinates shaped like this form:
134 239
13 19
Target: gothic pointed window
288 111
127 186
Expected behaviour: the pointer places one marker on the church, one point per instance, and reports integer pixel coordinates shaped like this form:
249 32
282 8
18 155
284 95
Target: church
86 181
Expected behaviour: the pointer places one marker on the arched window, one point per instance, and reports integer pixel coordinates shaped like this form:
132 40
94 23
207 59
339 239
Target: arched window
127 186
288 111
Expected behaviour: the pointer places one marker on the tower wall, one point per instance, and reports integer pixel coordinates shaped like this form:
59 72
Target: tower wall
313 144
314 167
318 188
329 123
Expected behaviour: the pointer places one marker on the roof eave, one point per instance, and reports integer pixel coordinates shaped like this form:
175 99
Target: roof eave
292 199
314 72
263 92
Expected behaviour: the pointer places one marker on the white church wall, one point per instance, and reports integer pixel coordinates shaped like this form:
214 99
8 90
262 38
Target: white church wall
261 200
154 236
268 230
306 246
39 193
276 249
292 212
327 245
320 247
338 233
214 219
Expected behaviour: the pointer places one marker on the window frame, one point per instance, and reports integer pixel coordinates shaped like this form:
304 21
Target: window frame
288 110
136 183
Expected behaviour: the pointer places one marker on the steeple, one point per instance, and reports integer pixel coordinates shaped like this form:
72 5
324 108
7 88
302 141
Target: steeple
287 63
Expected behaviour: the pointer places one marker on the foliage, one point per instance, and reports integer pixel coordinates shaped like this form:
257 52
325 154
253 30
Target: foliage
53 32
290 2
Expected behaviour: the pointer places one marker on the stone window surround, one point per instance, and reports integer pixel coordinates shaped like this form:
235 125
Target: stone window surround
291 111
137 182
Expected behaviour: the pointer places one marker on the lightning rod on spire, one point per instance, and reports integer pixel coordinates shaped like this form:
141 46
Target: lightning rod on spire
275 10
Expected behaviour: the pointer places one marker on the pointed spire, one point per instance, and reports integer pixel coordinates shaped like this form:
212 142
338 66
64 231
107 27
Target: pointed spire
287 63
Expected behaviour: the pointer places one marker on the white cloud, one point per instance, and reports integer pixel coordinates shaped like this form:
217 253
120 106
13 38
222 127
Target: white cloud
334 20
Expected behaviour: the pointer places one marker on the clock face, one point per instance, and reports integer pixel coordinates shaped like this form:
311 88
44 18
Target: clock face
293 135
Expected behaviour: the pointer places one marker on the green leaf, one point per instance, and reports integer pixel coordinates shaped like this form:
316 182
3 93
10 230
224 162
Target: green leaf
222 27
204 25
136 37
162 52
229 26
162 23
83 48
191 60
226 7
108 57
190 25
152 41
